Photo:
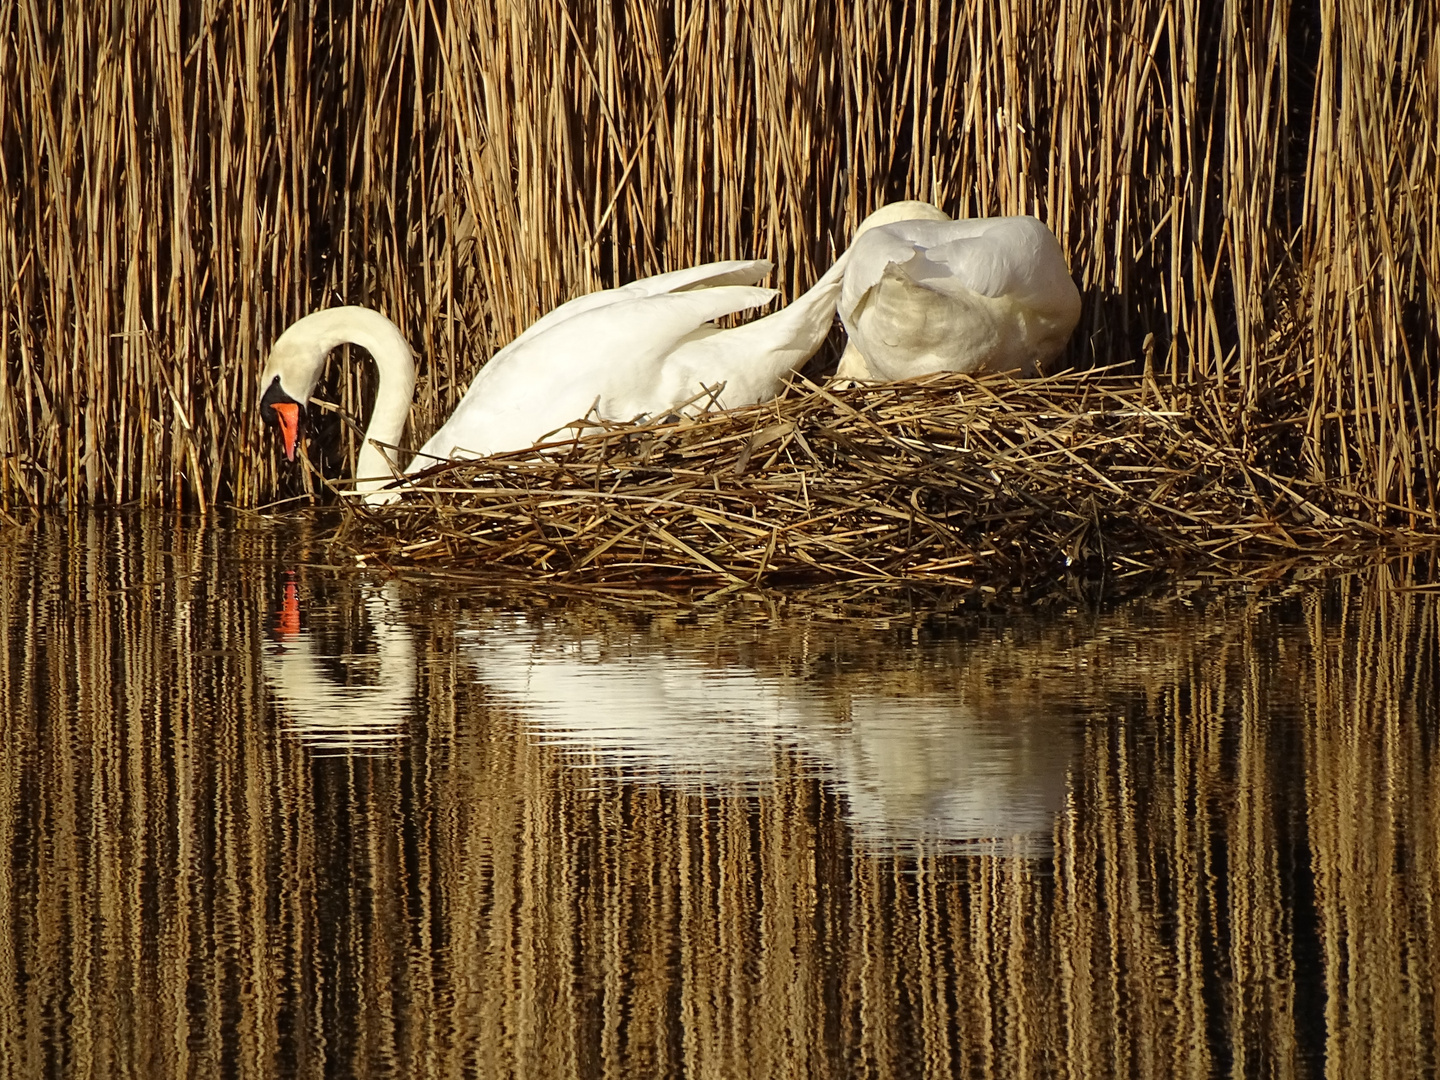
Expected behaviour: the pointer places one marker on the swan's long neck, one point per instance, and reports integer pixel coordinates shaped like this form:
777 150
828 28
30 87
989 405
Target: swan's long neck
299 356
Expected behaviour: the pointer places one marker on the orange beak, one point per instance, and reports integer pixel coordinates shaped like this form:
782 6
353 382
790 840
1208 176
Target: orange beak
287 415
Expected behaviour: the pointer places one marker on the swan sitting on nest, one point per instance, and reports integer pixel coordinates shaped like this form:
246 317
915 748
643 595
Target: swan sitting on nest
645 349
924 293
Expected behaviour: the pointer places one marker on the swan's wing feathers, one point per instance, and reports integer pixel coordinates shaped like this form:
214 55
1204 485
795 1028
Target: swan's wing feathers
609 354
678 313
867 261
958 296
752 359
1016 256
708 275
694 278
988 265
991 256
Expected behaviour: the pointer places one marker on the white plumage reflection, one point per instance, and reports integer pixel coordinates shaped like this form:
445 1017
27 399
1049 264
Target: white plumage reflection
920 770
351 688
920 764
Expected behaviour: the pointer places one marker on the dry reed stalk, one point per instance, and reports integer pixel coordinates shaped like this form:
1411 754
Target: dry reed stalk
950 480
1244 190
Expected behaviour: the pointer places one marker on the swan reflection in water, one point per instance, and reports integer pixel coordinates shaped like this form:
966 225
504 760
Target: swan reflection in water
927 771
916 770
339 689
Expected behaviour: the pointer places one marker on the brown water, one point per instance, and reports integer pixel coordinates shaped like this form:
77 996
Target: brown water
270 820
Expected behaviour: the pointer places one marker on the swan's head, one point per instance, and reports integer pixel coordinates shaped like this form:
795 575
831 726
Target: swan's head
281 409
290 374
298 358
909 210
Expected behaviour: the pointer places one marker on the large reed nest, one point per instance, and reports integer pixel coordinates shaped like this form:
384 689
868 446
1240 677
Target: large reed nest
984 483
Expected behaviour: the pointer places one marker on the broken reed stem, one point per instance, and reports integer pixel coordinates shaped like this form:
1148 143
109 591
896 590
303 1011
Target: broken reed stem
1246 195
948 480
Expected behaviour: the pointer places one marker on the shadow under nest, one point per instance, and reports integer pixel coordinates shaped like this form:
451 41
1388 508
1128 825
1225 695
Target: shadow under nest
981 483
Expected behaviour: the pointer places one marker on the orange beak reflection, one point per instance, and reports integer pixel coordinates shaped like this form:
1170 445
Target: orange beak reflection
287 619
287 415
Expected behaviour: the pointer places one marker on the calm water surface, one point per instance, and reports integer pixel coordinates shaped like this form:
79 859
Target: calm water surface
267 819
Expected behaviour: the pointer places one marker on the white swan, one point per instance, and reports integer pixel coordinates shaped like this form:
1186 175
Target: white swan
923 293
643 349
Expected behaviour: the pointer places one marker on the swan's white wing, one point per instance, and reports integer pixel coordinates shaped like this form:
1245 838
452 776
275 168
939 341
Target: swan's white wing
753 359
689 279
608 357
1016 257
989 256
707 275
869 257
986 265
704 276
922 296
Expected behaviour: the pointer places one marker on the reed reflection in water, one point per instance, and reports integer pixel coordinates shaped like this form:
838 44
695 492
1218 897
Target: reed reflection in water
736 844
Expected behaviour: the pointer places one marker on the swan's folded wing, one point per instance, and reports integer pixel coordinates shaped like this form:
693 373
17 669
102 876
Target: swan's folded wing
992 265
608 355
990 256
691 278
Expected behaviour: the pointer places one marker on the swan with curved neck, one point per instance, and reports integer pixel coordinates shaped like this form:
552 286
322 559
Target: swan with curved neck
924 293
644 349
294 368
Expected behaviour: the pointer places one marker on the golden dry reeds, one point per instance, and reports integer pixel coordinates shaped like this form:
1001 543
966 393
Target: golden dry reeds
1245 191
988 483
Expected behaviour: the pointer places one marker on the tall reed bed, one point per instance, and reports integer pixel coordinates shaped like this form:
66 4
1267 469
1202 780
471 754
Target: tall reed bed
1245 191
